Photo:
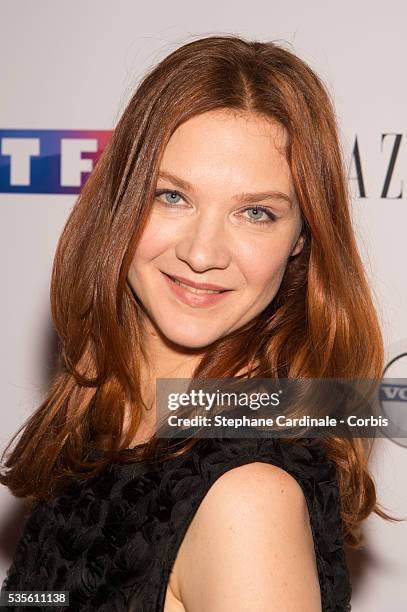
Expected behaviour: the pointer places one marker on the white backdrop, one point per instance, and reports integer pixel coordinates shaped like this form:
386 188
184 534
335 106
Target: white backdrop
73 65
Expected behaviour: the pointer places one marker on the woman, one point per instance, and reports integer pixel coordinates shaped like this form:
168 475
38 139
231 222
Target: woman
224 174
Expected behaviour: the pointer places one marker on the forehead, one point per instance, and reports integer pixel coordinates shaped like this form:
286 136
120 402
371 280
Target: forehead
238 148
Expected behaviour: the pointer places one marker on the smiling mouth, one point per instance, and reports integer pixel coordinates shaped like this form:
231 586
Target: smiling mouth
194 289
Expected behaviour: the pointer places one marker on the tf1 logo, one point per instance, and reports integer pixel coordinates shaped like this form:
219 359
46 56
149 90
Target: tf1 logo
48 161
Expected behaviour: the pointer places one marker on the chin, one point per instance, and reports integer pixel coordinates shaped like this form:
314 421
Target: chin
194 338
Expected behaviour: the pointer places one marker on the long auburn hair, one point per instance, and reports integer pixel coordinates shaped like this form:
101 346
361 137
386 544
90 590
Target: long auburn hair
322 322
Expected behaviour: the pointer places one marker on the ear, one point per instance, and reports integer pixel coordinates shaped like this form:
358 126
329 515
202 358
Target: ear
297 248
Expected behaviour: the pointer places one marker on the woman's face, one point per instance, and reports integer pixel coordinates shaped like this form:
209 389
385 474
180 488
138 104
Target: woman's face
225 214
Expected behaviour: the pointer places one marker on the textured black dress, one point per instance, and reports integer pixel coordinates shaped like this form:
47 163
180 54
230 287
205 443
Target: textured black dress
111 540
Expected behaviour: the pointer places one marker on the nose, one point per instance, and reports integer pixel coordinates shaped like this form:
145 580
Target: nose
203 243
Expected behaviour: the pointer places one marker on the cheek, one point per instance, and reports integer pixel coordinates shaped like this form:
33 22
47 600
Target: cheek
155 239
263 268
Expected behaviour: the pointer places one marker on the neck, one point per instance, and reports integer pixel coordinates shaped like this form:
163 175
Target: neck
164 359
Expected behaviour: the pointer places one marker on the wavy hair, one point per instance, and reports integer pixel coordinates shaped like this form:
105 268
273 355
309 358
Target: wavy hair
322 322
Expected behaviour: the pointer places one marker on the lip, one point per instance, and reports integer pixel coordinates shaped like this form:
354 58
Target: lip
194 299
182 279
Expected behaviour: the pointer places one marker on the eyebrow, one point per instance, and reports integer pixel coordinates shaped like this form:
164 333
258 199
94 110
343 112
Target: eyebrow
241 197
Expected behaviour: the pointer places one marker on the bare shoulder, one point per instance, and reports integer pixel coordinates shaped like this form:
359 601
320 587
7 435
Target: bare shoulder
249 546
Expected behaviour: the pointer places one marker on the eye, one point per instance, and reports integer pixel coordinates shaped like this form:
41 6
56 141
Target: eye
170 196
260 215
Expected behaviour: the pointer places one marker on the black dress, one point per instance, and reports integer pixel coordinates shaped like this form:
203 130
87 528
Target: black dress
111 540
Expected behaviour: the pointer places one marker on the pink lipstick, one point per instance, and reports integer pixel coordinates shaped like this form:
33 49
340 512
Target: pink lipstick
196 294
